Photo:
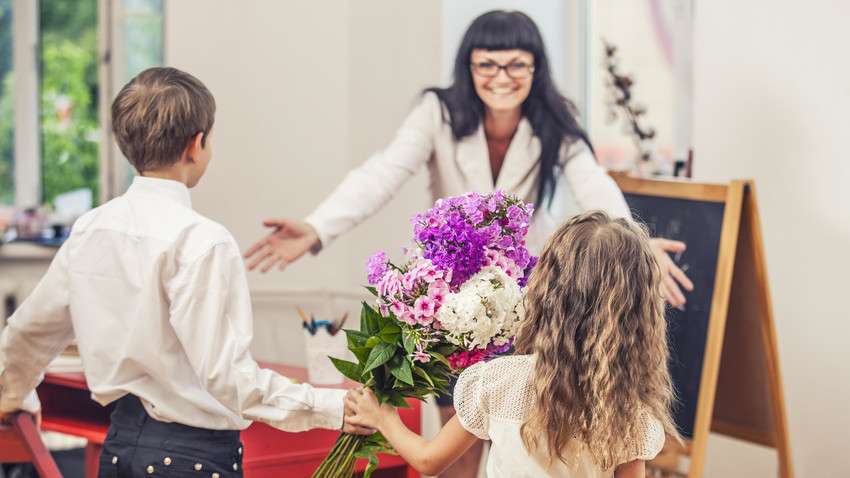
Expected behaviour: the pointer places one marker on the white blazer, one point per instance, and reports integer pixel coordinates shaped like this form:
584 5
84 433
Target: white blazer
458 167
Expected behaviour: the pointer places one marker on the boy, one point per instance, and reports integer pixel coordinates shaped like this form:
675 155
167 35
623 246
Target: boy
156 296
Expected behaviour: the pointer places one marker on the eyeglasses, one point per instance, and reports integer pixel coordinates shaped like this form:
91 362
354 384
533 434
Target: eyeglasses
517 71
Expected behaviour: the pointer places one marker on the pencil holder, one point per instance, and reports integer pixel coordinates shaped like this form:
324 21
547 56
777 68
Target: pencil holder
320 345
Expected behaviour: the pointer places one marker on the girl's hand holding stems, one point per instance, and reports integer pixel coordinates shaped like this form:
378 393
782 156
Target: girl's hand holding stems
428 457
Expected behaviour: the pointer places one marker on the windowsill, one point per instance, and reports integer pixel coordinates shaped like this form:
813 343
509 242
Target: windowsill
23 250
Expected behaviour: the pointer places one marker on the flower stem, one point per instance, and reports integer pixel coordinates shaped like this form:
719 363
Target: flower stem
341 460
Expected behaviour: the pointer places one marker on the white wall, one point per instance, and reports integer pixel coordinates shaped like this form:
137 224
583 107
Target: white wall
772 103
306 90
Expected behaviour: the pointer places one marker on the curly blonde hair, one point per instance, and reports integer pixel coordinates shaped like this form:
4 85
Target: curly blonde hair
595 320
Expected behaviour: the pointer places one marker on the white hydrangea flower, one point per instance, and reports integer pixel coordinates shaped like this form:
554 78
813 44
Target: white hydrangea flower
486 308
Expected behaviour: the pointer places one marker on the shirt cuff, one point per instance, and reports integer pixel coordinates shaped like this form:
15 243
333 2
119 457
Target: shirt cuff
30 403
323 238
329 408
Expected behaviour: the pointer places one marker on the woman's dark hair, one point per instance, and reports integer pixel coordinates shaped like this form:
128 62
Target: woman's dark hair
552 116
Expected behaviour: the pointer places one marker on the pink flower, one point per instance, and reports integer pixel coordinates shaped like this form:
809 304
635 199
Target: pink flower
397 307
421 357
467 359
409 280
437 292
407 318
390 284
491 256
423 307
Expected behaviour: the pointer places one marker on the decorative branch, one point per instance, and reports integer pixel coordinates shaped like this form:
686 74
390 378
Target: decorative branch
620 88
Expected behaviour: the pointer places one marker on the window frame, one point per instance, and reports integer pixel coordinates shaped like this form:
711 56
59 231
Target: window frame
111 54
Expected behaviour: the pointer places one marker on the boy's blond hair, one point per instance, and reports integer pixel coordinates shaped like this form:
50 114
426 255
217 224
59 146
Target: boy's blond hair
157 113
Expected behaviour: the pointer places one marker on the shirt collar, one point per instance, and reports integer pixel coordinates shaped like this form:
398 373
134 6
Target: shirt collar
167 188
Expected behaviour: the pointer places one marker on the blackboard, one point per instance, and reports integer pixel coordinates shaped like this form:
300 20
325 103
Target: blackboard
698 224
725 362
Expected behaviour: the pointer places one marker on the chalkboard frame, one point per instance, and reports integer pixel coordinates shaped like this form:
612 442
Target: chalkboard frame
750 372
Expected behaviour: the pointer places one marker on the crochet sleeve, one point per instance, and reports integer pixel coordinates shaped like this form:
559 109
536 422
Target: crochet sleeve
470 401
651 436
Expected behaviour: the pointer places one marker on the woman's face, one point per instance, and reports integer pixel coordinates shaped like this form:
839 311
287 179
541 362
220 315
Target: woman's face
503 92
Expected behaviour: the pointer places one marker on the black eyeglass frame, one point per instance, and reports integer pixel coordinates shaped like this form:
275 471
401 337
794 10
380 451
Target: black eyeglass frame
475 69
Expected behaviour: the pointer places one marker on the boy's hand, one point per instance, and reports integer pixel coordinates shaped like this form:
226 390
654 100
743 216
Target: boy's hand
364 409
6 417
289 241
352 429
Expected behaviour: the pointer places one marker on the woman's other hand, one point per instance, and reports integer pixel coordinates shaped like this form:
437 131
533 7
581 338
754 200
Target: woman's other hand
675 276
289 241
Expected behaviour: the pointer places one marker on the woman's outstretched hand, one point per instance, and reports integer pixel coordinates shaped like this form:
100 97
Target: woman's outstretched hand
289 240
675 275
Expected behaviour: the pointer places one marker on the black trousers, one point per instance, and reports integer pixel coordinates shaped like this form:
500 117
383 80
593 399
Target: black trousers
138 446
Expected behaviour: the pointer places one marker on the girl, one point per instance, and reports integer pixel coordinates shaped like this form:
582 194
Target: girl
588 391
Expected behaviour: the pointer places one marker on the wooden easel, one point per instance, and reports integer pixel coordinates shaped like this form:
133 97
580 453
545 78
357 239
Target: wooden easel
740 389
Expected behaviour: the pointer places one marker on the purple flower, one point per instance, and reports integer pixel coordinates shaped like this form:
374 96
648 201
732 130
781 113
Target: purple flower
376 267
501 349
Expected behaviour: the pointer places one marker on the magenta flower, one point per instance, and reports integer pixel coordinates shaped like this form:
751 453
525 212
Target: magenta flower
423 307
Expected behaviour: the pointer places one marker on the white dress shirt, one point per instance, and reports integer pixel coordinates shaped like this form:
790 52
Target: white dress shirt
156 296
493 399
459 167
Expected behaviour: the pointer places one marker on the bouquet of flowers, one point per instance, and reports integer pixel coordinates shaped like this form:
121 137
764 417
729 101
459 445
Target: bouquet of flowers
456 300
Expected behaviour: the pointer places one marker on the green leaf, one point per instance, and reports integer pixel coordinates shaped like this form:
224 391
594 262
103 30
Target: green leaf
384 321
409 346
379 378
356 336
421 373
403 372
372 290
446 349
439 357
369 320
349 369
379 355
373 341
372 466
362 353
397 400
390 333
365 451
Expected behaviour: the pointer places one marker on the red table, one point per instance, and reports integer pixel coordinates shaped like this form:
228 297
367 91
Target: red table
68 408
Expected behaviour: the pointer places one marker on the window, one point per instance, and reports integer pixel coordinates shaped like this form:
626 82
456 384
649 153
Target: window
653 40
7 106
62 63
